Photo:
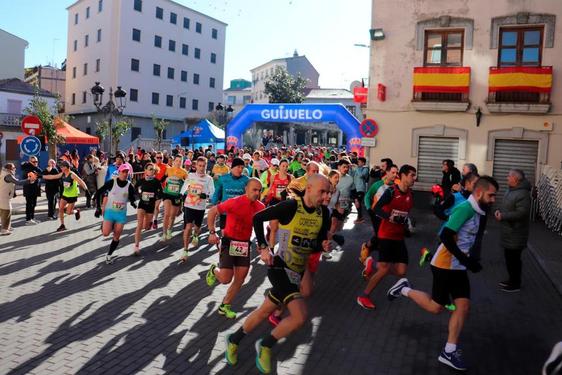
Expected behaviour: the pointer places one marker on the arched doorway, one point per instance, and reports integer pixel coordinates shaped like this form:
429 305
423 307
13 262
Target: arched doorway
295 113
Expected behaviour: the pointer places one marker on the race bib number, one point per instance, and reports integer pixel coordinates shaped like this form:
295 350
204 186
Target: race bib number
294 277
238 248
173 188
398 216
278 191
118 206
66 184
344 202
147 196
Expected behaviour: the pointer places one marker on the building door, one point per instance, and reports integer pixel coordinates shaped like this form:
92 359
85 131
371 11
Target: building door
431 153
509 154
12 150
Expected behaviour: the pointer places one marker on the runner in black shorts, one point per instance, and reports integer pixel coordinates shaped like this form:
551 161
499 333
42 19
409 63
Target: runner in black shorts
149 190
391 251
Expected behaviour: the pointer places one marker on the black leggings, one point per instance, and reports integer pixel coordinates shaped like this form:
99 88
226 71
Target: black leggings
52 202
513 263
30 203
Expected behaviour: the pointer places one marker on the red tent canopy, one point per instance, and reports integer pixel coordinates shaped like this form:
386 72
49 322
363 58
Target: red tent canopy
72 135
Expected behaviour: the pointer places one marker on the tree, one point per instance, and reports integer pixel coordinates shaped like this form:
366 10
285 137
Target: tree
118 129
159 126
284 88
39 107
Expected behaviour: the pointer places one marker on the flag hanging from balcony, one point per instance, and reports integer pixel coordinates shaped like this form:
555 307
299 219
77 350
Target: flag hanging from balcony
529 79
442 79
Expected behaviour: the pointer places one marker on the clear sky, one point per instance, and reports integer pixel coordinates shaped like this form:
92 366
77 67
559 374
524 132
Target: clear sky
258 31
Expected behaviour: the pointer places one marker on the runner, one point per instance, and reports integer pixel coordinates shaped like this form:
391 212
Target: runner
267 176
234 260
278 189
345 187
70 192
113 207
449 265
197 189
220 168
393 208
160 174
298 185
173 182
360 174
230 185
303 229
150 190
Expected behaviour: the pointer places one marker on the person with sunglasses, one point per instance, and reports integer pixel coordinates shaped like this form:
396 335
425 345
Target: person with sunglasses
173 182
150 191
32 190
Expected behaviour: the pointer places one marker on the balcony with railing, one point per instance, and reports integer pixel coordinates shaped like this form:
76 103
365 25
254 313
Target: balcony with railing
441 88
519 89
10 119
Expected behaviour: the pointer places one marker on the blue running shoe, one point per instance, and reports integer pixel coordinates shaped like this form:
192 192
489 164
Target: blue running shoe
453 359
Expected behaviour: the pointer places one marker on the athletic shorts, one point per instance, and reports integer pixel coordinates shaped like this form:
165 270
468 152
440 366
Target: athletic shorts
147 207
119 217
193 216
339 216
226 260
314 262
176 201
285 284
69 199
449 285
393 251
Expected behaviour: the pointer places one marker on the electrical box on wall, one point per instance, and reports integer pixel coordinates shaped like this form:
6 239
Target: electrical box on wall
381 92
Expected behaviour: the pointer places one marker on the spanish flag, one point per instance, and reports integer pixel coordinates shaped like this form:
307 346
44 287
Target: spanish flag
442 79
521 78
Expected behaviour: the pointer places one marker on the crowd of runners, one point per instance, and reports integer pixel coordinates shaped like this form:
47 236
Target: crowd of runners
293 202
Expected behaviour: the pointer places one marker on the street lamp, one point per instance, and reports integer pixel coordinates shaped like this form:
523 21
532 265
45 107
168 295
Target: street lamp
111 108
225 113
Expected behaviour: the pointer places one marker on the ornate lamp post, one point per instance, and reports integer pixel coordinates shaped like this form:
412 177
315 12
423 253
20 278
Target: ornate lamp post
225 115
110 108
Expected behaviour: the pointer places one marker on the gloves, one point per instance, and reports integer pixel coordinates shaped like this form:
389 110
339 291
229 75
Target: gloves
203 196
473 265
97 213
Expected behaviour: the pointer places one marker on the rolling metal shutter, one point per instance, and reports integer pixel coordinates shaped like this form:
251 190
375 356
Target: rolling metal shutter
509 154
431 153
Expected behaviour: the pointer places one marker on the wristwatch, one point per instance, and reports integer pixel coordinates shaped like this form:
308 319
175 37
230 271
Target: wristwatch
212 232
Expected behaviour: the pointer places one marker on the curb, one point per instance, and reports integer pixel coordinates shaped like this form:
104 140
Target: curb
543 266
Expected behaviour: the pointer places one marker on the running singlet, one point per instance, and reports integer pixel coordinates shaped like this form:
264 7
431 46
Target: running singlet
299 237
240 213
117 198
465 221
194 186
70 187
174 180
149 190
345 186
400 205
220 170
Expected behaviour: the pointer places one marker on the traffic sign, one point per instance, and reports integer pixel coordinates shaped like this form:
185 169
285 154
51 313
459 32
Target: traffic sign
31 125
368 128
368 142
30 146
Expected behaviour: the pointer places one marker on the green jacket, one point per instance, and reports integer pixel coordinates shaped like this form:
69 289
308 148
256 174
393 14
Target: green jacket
515 209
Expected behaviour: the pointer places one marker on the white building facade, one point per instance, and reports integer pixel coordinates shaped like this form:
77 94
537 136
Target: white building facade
12 58
167 57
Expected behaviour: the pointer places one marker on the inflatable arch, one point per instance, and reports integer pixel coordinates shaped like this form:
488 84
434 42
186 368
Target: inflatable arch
295 113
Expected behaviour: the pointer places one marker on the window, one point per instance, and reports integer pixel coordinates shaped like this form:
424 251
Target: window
198 27
135 133
155 98
169 100
86 40
214 33
157 41
85 68
183 76
173 18
73 100
211 106
247 99
443 47
134 95
197 53
156 70
136 35
100 5
520 46
98 63
185 23
213 58
74 72
84 97
184 49
195 104
171 73
231 99
76 19
182 102
159 13
98 39
75 45
172 45
212 82
87 12
135 65
138 5
195 79
88 130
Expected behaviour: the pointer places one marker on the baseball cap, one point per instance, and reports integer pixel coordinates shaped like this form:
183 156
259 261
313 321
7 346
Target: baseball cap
247 156
274 161
124 167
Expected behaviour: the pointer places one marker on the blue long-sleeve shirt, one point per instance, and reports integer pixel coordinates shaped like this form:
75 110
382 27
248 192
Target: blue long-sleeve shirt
228 187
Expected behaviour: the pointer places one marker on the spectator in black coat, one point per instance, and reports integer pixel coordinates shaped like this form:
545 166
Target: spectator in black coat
32 190
451 176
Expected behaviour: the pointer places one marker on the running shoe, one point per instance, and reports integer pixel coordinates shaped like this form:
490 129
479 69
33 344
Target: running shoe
450 307
109 259
326 255
155 224
425 256
224 309
453 359
184 256
136 251
169 234
503 284
77 214
263 358
231 352
510 288
30 222
211 278
62 228
195 240
163 237
5 232
368 270
339 239
36 221
365 302
364 253
395 291
274 319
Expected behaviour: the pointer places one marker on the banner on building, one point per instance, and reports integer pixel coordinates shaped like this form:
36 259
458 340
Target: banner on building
442 79
360 94
522 78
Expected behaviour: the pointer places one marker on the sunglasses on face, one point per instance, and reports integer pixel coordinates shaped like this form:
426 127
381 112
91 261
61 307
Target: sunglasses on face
159 157
34 161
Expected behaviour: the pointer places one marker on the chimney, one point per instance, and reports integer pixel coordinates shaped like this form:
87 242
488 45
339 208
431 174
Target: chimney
295 54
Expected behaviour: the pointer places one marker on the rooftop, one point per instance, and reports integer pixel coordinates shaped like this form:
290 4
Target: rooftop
20 87
329 94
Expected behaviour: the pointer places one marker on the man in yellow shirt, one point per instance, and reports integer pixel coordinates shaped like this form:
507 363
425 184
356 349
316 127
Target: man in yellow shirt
220 168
